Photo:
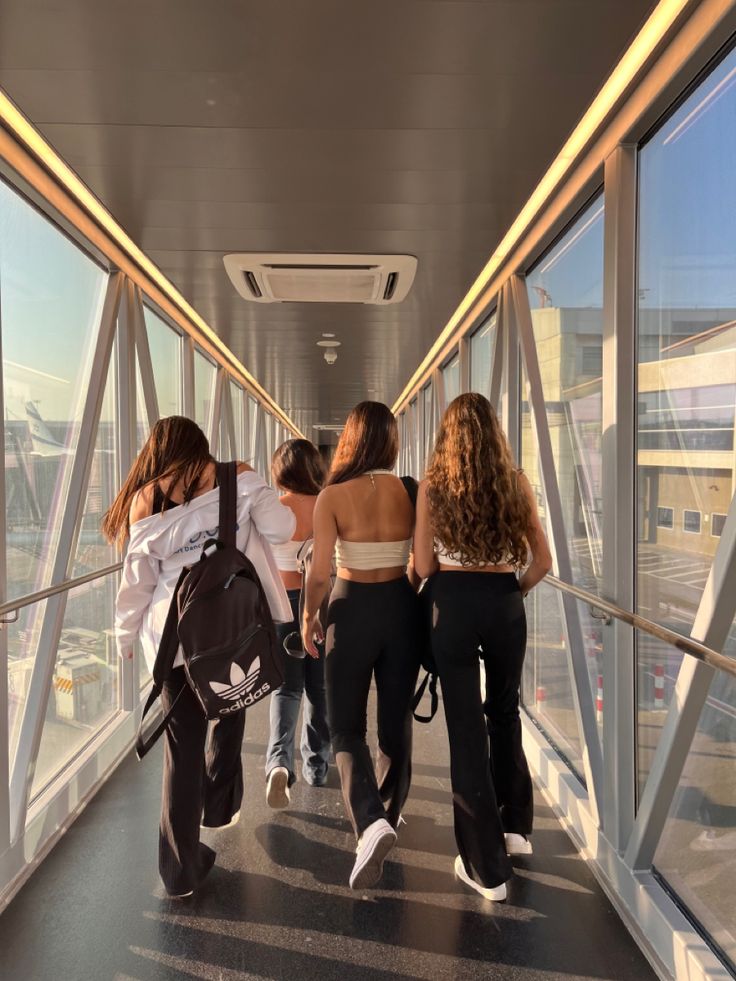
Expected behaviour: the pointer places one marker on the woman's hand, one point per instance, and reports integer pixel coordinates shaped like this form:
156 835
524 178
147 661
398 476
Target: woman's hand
126 655
312 631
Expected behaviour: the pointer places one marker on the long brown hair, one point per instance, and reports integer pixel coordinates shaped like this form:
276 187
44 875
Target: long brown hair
176 450
478 509
369 441
297 466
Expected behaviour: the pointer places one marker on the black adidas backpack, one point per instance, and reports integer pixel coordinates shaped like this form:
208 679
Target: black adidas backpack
220 616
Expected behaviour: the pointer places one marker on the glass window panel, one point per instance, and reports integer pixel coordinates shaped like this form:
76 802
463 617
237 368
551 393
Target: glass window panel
566 298
451 379
717 521
165 347
546 688
686 348
93 551
22 645
665 518
51 297
530 452
697 850
84 689
481 346
237 396
205 375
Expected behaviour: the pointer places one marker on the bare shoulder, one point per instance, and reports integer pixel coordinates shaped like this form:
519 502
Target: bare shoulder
142 504
245 467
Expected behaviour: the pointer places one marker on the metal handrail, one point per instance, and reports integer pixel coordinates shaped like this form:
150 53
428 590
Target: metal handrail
685 644
13 606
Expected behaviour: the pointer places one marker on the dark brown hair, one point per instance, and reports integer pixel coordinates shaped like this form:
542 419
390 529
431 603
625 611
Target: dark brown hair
176 450
478 508
297 466
369 441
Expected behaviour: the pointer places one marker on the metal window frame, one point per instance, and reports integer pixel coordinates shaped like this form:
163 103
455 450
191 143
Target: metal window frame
520 314
618 463
69 511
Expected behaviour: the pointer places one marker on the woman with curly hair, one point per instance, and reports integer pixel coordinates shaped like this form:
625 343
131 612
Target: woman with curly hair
477 524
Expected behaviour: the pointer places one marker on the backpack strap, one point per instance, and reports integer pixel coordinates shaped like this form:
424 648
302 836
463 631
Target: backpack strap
227 482
431 680
165 657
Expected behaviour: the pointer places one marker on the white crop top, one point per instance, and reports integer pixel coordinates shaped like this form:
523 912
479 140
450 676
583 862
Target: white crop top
285 555
446 558
371 555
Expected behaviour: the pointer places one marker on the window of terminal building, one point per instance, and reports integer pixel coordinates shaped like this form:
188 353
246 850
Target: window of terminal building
665 518
717 521
691 522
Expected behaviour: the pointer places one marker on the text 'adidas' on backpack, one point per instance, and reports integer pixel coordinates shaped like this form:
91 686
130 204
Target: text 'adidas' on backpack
220 616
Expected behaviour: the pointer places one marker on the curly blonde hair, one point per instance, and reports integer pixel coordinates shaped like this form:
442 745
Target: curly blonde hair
480 513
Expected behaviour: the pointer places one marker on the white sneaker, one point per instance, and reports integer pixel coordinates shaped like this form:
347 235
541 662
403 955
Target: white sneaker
497 894
517 844
219 827
375 843
277 788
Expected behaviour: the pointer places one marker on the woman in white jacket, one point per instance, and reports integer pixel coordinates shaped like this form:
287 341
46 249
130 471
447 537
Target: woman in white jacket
166 510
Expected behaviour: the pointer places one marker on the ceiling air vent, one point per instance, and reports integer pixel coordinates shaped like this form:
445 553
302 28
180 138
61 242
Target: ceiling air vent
278 277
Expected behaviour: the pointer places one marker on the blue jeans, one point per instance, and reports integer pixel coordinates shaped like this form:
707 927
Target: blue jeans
300 676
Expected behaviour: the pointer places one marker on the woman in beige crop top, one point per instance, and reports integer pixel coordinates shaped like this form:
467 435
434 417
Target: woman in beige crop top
477 525
365 517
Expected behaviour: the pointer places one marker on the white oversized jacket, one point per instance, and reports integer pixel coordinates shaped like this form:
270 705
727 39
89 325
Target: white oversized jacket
162 544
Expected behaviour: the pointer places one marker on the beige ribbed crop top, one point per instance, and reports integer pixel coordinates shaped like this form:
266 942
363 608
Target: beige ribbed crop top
285 554
445 558
372 555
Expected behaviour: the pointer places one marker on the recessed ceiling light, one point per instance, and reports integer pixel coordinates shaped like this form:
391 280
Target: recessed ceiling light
328 335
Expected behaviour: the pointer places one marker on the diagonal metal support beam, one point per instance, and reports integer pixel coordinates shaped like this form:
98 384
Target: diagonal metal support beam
713 621
67 516
495 380
127 438
230 452
214 428
143 351
187 376
575 647
509 391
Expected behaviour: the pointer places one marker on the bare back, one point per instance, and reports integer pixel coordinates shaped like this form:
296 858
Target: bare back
366 509
302 506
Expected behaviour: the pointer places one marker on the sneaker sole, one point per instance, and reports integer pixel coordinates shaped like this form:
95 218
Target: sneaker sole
496 894
374 855
220 827
277 794
525 849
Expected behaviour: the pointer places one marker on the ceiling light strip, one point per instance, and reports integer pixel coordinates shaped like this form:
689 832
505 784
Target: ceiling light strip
26 134
654 30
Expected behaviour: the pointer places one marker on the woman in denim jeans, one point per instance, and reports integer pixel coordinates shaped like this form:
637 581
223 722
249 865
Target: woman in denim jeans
298 471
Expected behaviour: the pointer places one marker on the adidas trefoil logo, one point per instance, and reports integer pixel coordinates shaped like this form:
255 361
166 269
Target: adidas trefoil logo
240 690
239 681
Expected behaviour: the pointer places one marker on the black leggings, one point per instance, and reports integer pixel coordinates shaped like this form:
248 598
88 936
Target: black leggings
492 791
372 630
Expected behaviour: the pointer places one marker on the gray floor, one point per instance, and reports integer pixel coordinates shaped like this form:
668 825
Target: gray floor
277 905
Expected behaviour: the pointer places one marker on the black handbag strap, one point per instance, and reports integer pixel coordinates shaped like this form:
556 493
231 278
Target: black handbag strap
227 482
431 680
